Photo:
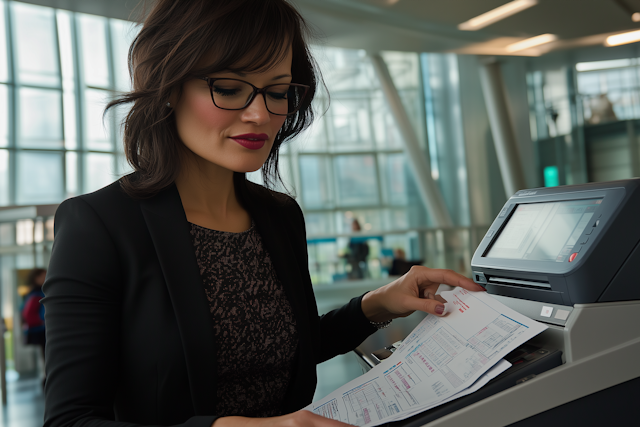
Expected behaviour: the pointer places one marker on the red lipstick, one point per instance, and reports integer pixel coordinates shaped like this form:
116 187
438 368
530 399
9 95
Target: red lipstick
252 141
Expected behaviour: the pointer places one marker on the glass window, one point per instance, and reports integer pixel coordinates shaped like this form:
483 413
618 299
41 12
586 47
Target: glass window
350 125
4 177
319 223
65 42
122 35
40 118
122 166
98 171
4 59
97 130
35 47
286 184
64 19
315 179
346 69
71 168
40 177
286 174
404 69
395 219
385 130
4 116
93 41
70 123
395 173
356 180
369 219
315 137
589 83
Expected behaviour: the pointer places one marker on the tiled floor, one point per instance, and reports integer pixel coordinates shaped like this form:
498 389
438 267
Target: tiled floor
25 404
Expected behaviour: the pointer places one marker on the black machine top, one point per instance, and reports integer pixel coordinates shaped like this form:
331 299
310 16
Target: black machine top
566 245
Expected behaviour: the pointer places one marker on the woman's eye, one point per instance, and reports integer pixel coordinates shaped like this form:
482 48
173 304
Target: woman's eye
225 91
278 95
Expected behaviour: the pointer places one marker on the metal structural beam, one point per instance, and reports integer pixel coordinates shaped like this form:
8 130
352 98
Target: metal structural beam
501 128
416 158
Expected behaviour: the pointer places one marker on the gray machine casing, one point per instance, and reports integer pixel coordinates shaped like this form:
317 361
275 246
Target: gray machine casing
608 250
590 305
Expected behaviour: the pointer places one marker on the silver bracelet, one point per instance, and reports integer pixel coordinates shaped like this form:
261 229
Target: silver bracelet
381 325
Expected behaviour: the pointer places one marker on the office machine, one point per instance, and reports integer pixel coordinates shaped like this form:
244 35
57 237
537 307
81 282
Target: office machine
569 257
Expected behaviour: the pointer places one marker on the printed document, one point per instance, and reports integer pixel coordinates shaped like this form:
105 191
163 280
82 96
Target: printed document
442 359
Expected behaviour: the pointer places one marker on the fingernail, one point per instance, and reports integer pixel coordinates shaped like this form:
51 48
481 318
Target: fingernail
439 309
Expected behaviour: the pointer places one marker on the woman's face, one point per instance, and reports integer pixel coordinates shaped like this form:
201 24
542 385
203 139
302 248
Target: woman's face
230 139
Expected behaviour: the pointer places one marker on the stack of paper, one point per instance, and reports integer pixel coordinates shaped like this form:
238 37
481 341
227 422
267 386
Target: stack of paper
442 359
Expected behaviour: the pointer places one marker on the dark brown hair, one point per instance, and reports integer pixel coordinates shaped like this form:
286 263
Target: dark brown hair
243 36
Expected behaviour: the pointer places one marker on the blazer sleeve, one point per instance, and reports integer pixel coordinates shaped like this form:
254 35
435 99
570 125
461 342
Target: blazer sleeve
338 331
83 301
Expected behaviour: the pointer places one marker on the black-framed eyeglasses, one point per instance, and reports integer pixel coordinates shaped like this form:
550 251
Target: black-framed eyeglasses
282 99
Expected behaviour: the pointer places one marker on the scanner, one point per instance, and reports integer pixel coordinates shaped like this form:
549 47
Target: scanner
567 256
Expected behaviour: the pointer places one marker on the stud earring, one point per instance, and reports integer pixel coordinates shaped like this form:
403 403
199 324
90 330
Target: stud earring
169 104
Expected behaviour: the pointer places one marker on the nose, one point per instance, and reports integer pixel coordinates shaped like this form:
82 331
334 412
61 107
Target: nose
256 112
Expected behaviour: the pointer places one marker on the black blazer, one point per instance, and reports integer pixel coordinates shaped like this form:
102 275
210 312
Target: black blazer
129 334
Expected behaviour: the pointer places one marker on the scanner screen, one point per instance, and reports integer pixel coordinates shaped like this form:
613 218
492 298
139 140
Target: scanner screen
544 231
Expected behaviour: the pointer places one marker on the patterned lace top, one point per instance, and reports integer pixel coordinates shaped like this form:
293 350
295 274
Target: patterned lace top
256 334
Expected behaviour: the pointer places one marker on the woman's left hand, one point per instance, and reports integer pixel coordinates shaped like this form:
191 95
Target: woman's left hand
416 290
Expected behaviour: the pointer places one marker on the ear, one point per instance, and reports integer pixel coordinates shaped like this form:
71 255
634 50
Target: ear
174 98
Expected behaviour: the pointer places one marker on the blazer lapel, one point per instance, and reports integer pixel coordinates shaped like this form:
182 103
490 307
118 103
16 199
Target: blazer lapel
169 229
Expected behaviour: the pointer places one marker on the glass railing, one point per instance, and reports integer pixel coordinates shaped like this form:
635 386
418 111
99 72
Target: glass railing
334 259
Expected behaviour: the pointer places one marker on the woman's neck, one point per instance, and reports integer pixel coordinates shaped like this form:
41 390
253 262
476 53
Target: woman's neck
208 197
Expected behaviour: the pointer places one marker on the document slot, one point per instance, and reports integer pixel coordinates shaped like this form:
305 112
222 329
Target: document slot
520 282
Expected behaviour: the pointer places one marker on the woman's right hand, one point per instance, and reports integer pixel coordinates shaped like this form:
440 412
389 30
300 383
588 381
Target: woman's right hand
297 419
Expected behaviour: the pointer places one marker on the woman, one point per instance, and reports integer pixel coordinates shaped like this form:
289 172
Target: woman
180 295
33 311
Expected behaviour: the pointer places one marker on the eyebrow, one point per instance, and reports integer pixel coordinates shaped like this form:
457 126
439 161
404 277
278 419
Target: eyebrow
241 74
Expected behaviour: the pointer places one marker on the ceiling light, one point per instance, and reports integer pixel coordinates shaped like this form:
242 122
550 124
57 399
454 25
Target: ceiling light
496 14
532 42
624 38
603 65
631 11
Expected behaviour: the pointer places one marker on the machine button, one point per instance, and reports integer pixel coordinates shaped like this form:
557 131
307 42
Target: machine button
546 311
597 223
504 211
588 231
573 256
490 233
584 241
525 379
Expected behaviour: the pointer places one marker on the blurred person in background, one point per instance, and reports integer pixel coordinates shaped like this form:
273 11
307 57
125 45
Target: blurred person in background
400 264
33 311
357 253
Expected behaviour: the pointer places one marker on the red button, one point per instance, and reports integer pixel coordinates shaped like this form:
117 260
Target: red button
573 256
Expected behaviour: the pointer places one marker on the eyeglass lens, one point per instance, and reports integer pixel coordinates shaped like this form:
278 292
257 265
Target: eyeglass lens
235 94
